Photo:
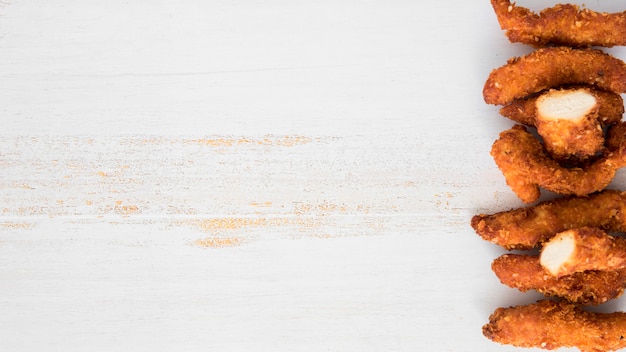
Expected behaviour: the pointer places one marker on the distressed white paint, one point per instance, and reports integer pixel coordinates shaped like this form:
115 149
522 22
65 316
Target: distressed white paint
249 176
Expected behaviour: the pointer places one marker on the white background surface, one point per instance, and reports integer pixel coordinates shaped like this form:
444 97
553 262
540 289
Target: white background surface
250 175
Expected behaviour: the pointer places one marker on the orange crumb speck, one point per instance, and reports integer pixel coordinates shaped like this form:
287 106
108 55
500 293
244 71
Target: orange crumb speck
284 141
217 242
208 225
17 225
325 208
126 210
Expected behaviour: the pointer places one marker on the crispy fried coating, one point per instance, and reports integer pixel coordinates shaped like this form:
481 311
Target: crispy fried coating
550 325
554 67
581 249
524 110
528 227
526 167
524 272
563 24
615 136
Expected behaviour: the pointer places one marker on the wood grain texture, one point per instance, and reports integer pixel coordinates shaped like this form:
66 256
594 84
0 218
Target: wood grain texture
248 176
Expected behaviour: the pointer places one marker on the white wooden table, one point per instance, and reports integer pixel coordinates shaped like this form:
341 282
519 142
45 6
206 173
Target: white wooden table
251 175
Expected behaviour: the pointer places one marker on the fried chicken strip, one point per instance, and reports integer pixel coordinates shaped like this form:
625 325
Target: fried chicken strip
550 325
568 122
528 227
524 110
563 24
578 250
526 167
554 67
524 272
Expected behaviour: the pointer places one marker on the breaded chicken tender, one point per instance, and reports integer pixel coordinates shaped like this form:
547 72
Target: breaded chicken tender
569 124
526 167
563 24
529 227
524 110
550 325
570 120
581 249
524 272
554 67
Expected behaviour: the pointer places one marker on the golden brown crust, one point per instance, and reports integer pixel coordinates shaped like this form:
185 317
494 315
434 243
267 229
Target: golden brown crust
529 227
554 67
550 325
524 110
593 249
563 24
615 136
524 272
527 167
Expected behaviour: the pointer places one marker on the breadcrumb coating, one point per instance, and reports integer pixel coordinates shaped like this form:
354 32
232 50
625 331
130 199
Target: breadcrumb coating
550 325
524 272
524 110
554 67
526 167
529 227
563 24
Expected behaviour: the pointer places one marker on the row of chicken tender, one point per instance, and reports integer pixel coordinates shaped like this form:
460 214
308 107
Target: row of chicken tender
569 139
574 257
